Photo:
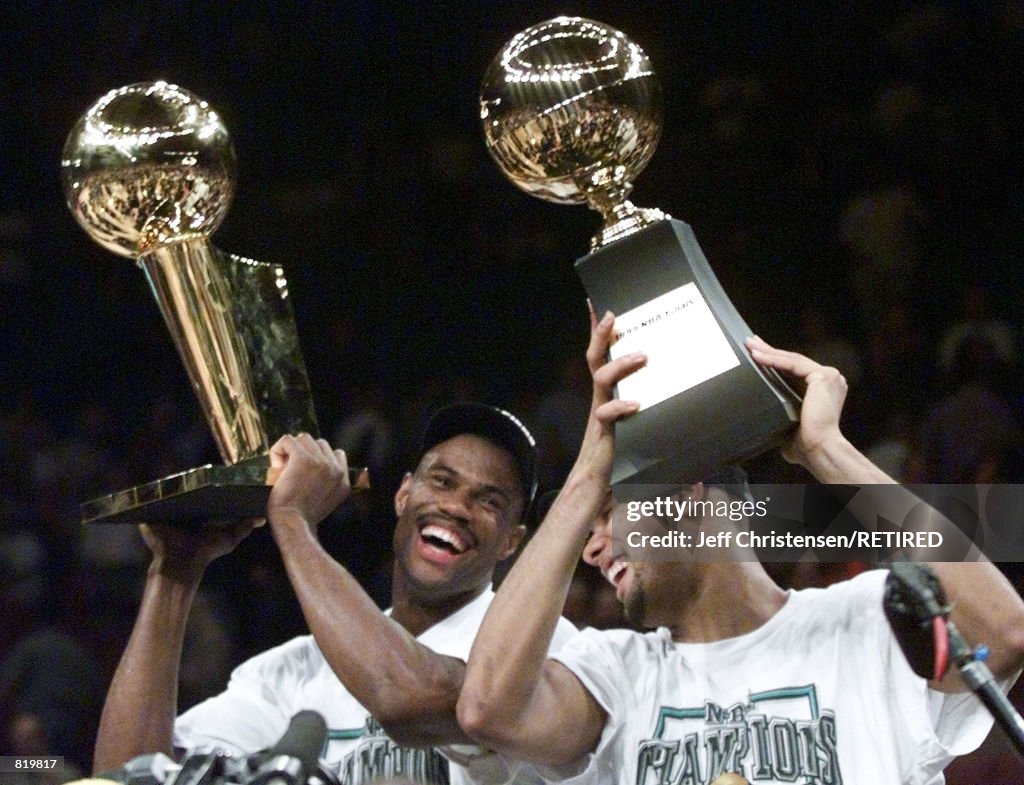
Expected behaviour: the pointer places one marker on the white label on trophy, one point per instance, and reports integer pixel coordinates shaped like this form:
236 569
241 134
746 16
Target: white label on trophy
683 343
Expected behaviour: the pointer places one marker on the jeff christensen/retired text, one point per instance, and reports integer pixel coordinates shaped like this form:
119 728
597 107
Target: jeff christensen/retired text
862 539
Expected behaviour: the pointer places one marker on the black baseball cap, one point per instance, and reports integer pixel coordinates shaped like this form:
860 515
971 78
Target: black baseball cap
496 425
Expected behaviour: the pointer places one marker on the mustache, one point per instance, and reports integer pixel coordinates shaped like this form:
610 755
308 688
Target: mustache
440 515
451 521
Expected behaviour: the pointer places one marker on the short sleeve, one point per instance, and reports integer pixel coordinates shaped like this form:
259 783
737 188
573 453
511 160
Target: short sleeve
601 663
251 713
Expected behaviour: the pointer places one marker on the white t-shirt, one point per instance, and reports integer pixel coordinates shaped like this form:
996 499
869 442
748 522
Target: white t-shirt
265 692
819 694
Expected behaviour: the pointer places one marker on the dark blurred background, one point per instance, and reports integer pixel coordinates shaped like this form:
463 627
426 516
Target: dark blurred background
852 171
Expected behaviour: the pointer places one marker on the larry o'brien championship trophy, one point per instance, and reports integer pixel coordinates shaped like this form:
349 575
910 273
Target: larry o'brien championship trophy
571 111
148 171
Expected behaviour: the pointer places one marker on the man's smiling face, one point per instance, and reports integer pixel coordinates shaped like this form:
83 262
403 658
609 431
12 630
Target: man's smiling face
458 515
651 583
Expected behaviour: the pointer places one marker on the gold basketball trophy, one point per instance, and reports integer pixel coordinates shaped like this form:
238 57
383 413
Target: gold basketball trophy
149 172
571 111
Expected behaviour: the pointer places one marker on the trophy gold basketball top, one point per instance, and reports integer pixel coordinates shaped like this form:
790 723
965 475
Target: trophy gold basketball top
571 111
148 172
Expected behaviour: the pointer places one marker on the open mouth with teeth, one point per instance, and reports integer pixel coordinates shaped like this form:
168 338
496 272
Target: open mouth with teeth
615 572
441 544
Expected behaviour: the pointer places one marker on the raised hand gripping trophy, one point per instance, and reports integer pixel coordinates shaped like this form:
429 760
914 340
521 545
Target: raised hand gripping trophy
571 111
148 172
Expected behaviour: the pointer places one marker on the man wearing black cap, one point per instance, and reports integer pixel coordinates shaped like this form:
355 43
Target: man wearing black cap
386 683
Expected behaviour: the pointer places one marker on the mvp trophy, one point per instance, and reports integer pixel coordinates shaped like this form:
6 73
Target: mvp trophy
571 113
148 171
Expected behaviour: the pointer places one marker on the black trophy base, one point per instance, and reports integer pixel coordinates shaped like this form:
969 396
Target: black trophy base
206 495
725 419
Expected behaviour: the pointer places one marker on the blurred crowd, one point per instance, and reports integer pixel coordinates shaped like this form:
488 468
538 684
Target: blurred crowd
858 194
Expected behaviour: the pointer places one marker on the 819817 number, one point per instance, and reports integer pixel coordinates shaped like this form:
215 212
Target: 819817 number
15 763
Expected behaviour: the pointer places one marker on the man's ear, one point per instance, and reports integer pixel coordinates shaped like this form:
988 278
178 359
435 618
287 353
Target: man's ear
515 539
697 491
694 493
402 494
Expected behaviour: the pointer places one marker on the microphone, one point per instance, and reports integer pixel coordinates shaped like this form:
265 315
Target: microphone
294 758
915 605
913 601
207 768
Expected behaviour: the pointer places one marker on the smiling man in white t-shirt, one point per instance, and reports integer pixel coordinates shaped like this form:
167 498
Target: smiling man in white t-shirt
386 683
738 678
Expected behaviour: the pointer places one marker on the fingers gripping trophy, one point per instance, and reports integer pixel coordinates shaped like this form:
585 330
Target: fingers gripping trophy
571 111
149 172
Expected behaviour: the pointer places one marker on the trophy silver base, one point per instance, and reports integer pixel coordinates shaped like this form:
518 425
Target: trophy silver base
704 402
205 496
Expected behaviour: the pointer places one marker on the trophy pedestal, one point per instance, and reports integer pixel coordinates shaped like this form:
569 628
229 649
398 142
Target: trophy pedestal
204 495
195 496
704 402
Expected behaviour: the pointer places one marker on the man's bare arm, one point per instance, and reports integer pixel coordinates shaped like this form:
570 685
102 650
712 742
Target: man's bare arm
515 700
410 689
986 608
141 705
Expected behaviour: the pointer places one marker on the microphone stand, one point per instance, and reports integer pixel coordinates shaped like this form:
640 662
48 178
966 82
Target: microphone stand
982 683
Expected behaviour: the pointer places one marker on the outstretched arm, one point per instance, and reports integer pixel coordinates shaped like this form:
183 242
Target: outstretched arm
410 689
986 608
141 704
515 700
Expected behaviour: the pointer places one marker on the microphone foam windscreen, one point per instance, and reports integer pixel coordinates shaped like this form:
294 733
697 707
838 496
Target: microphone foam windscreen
913 597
